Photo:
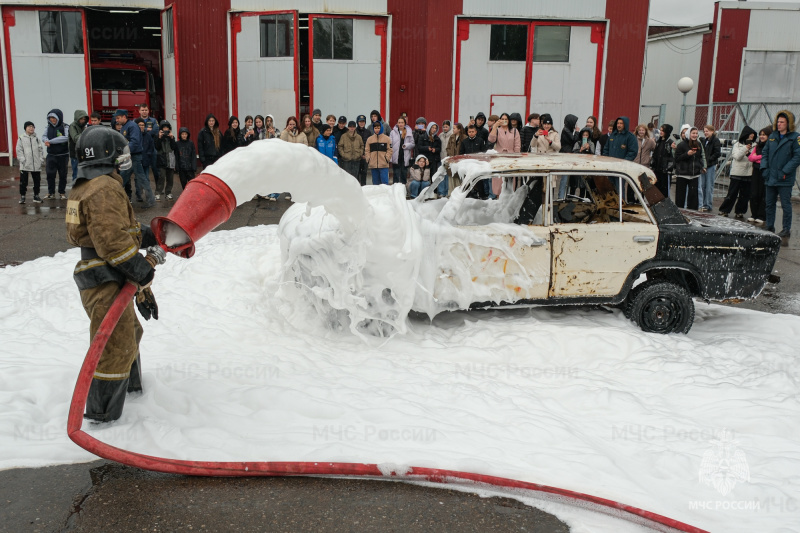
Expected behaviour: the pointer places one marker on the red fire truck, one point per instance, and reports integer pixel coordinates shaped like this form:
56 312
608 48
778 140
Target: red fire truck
117 85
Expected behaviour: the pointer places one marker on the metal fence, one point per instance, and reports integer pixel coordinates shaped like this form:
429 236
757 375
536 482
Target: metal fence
729 119
655 114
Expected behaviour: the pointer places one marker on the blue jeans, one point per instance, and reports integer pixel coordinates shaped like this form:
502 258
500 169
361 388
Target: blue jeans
380 175
705 189
417 187
74 162
785 194
563 181
142 179
442 188
487 187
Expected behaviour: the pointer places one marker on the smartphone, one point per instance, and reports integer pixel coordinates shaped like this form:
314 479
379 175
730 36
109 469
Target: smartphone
471 117
584 140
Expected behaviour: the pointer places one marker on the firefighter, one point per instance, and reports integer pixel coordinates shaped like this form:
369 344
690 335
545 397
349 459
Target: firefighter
100 220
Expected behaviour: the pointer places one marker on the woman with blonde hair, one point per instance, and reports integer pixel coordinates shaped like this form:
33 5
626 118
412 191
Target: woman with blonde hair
310 130
646 145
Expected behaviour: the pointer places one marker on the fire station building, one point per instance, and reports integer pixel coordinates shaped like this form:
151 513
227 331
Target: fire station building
446 59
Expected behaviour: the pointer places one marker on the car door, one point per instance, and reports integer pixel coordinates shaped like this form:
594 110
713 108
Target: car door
594 257
492 260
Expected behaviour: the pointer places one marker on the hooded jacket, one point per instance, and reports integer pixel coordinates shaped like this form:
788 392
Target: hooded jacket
576 148
378 149
327 146
415 173
445 138
780 157
689 166
568 135
622 145
431 148
482 131
57 135
380 119
741 166
518 118
267 134
165 145
233 138
209 142
663 160
526 135
186 155
398 140
30 152
351 146
75 130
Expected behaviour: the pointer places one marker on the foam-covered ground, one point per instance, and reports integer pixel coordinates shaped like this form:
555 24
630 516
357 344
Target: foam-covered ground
241 368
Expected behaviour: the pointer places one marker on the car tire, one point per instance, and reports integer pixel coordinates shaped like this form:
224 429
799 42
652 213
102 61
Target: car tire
660 306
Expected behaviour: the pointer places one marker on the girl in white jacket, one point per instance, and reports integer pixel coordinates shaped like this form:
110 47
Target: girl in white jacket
30 154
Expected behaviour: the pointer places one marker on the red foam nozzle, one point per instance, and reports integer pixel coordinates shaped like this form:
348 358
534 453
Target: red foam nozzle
206 203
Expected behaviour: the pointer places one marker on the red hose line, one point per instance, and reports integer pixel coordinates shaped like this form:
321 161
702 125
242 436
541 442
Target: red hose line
267 468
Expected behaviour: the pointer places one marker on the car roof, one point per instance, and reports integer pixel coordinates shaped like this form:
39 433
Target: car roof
553 162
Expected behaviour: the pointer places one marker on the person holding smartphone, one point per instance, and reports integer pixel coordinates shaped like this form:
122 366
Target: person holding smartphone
689 164
506 140
738 195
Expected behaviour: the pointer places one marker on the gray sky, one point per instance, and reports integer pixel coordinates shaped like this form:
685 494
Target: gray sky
685 12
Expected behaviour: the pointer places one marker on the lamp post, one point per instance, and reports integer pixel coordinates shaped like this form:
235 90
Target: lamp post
684 85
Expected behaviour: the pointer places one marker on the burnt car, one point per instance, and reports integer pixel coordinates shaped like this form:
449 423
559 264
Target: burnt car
615 240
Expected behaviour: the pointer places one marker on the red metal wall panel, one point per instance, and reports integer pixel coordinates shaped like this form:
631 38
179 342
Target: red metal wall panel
422 58
707 61
201 61
733 29
3 126
627 36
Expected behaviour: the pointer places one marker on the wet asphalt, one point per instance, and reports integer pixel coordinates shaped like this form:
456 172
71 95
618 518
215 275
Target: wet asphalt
103 496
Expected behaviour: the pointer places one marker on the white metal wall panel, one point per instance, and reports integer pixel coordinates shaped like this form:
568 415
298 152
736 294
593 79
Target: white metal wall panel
170 87
378 7
567 88
769 76
265 85
481 78
43 81
774 30
349 88
669 60
538 9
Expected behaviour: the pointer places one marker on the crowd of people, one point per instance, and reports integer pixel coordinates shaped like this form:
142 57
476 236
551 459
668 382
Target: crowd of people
762 169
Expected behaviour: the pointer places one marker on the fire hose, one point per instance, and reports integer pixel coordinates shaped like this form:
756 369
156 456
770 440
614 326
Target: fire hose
290 468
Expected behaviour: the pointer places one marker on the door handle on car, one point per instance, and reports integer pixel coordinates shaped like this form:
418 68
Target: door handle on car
644 238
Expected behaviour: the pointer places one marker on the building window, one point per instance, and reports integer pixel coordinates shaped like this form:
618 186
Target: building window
333 38
551 44
169 38
277 35
509 42
61 32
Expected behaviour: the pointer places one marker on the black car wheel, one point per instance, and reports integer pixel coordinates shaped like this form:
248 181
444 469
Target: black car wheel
659 306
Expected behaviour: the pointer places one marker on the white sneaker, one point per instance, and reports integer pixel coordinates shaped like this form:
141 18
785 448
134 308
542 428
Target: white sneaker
63 197
169 197
272 199
158 197
751 219
758 221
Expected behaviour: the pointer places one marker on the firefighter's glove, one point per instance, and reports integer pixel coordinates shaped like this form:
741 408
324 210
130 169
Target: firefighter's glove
146 303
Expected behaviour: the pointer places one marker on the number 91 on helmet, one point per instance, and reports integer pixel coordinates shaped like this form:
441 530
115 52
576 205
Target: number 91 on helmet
100 151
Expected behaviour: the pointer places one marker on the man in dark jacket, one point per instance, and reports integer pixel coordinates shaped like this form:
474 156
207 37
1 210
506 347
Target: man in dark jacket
148 148
361 129
474 144
81 118
165 159
480 121
663 160
621 143
713 150
340 129
529 132
57 142
780 158
133 135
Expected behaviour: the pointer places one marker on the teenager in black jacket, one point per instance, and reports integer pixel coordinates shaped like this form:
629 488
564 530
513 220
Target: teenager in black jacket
713 150
209 141
690 162
663 160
